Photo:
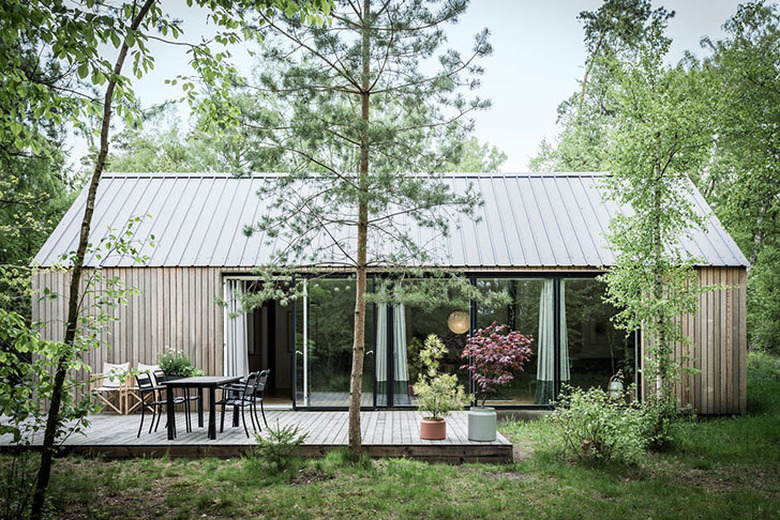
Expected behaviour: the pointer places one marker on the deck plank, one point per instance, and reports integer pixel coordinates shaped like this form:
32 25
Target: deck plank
385 433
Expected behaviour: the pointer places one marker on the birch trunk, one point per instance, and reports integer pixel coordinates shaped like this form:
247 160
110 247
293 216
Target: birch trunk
71 325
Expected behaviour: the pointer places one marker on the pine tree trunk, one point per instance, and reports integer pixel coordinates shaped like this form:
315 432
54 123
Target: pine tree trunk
71 325
358 346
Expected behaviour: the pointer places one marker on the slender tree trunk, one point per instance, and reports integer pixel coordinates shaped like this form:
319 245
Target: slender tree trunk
658 293
71 325
358 347
587 73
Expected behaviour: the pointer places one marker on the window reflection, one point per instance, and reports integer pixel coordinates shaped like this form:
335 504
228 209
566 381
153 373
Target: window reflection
529 311
596 350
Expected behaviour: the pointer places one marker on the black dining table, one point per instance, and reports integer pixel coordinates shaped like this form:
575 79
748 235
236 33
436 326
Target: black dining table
199 383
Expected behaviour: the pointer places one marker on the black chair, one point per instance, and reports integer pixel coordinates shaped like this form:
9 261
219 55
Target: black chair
148 390
159 377
258 395
241 396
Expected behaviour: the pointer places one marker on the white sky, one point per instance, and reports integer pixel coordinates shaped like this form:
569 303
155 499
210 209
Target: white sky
538 55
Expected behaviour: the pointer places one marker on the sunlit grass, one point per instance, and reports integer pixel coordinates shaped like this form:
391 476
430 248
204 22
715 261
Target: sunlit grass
727 467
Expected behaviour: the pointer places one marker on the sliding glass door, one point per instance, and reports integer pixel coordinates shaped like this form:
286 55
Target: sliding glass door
574 343
596 351
324 330
401 333
530 310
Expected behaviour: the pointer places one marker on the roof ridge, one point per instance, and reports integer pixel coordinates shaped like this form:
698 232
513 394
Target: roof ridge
206 175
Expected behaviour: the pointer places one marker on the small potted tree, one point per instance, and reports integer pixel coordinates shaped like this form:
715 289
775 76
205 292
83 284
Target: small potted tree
438 394
495 354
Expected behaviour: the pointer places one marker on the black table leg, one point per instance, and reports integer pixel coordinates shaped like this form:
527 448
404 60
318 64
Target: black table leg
212 413
200 407
169 412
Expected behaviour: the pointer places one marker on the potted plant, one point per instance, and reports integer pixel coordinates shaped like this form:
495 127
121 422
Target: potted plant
495 354
438 394
175 364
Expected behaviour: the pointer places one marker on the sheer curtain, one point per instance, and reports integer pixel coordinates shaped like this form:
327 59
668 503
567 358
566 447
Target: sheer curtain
545 344
401 368
236 351
381 353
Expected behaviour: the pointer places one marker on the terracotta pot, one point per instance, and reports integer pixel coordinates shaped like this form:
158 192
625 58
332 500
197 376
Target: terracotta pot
433 429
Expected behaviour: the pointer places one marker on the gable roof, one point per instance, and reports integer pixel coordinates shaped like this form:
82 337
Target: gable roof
527 220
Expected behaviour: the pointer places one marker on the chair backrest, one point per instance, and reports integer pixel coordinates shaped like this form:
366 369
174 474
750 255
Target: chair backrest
159 376
251 384
114 375
144 382
150 369
262 381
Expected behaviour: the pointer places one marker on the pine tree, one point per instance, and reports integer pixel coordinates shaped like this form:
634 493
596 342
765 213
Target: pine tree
368 101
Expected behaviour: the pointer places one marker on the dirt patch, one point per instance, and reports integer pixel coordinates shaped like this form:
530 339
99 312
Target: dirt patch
510 475
136 502
498 474
307 476
724 479
521 451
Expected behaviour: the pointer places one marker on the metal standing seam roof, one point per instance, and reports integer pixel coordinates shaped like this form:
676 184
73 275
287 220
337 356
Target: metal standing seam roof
527 220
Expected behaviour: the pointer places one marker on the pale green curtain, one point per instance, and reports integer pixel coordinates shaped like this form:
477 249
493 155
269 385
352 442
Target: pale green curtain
545 344
381 350
401 368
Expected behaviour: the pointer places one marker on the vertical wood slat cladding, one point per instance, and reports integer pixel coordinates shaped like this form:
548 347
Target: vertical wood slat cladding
718 352
175 309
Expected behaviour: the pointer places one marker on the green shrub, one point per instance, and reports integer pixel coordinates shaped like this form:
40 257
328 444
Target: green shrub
175 363
660 419
17 484
593 427
277 449
763 373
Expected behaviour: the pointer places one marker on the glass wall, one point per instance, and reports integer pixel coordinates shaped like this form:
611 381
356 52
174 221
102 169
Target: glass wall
408 325
566 318
529 310
326 330
596 350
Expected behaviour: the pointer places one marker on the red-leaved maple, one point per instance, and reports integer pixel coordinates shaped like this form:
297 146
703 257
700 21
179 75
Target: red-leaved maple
496 353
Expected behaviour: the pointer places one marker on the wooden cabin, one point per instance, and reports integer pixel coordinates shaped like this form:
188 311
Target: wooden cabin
539 238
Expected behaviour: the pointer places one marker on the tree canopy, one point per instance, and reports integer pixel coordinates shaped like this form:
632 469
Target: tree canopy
731 99
91 42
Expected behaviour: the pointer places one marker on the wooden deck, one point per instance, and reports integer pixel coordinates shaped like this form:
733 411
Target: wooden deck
385 434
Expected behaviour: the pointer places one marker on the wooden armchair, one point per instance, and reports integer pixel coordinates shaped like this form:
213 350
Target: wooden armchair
110 386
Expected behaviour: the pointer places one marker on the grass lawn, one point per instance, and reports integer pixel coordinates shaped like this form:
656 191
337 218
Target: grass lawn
727 467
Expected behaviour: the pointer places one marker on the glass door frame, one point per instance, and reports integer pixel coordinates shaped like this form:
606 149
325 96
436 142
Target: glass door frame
473 277
305 277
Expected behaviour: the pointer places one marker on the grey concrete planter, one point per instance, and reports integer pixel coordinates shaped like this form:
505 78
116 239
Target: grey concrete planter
482 424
